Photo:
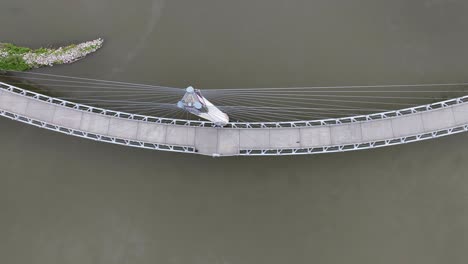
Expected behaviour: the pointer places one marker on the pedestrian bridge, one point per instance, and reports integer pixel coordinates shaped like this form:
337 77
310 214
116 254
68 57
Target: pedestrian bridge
237 138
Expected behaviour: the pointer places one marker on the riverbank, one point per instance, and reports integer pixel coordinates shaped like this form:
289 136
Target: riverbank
15 58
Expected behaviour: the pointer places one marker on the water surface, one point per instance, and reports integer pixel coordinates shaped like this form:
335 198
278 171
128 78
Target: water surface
69 200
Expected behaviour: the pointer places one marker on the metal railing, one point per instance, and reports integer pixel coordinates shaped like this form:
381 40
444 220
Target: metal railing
194 123
80 133
238 125
357 146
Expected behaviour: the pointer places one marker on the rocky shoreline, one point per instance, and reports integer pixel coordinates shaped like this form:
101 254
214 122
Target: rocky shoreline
16 58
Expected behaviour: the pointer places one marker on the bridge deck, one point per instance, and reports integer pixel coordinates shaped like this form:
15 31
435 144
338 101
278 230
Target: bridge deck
433 121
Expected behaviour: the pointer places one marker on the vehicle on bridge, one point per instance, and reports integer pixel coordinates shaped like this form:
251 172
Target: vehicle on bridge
316 136
195 103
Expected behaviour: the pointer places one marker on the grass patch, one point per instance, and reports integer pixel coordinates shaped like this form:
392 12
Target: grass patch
14 63
14 50
11 57
42 51
16 58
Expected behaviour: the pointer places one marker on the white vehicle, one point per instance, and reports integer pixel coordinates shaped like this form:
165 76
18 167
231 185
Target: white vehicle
194 103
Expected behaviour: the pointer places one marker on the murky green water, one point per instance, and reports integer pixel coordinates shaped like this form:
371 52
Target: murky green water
68 200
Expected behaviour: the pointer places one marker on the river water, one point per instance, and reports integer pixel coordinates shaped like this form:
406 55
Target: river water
69 200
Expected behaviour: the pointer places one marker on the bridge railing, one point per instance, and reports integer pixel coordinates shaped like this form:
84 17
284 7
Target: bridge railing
253 125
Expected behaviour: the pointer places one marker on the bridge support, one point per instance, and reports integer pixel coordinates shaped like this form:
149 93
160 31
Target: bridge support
195 103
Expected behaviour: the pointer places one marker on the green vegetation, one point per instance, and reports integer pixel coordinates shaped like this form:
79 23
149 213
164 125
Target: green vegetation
12 49
15 58
11 57
14 63
41 51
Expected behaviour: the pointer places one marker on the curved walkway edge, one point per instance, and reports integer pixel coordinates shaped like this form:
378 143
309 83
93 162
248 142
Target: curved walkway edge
237 139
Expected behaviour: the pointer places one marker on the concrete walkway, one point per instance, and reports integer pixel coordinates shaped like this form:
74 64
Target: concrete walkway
307 137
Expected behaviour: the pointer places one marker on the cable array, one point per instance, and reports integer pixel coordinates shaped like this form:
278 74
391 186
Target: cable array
241 104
